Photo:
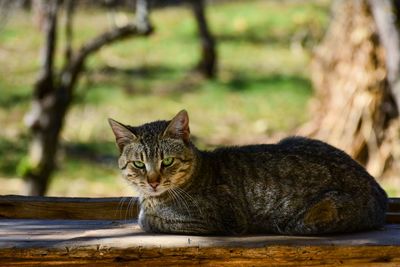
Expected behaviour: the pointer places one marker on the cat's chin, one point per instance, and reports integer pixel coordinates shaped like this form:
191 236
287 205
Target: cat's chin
157 193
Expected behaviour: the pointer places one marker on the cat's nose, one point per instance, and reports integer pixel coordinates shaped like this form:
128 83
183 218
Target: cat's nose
153 178
154 184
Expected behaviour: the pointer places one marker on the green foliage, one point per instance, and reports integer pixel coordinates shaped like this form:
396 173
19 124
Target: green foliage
11 153
262 86
23 167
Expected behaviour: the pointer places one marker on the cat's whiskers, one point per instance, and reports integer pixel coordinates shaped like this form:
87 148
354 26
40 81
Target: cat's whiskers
129 210
278 228
192 199
171 194
120 205
182 199
175 197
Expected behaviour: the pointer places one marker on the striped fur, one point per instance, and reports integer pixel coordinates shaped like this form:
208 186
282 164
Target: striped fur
298 186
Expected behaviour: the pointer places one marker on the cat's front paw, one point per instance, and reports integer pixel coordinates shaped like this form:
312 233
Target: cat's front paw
151 224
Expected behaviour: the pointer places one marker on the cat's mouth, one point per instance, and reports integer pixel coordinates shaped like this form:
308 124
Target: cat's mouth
154 192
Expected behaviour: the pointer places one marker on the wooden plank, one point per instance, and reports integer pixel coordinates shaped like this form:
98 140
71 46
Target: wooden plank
371 256
394 204
393 214
26 207
393 217
102 243
98 236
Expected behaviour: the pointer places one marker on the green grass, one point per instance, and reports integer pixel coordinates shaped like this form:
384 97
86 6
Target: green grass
11 152
261 91
262 88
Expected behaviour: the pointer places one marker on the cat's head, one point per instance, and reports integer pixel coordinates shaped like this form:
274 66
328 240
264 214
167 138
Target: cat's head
157 156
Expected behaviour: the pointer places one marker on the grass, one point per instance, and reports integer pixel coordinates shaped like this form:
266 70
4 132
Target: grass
262 89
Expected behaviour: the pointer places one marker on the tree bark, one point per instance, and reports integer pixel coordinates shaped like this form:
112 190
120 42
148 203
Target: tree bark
69 12
208 61
143 15
45 81
386 21
355 78
53 94
40 119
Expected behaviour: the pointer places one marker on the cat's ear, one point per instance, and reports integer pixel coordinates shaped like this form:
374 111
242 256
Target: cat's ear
179 127
123 136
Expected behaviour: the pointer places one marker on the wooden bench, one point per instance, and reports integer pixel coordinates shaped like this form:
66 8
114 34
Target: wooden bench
103 232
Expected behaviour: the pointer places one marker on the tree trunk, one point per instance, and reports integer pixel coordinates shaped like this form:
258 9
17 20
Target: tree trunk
355 108
53 94
208 61
387 21
44 128
142 15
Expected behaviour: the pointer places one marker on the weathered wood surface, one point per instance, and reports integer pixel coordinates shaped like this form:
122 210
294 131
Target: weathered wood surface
98 232
24 207
106 242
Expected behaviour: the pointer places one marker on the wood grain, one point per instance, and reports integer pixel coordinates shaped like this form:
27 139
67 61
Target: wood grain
372 256
394 204
25 207
80 242
101 232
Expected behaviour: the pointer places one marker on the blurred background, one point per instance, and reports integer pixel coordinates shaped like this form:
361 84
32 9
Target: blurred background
250 71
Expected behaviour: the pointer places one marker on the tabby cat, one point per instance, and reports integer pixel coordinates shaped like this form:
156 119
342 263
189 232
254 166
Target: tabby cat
298 186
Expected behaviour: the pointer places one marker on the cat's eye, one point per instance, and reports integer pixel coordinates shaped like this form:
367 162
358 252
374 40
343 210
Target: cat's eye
167 161
138 164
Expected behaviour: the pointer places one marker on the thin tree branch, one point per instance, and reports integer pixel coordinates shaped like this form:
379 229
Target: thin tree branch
208 62
49 113
70 75
69 12
45 79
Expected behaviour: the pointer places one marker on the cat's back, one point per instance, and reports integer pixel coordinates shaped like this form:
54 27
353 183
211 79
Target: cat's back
293 165
318 160
289 150
294 144
313 148
285 187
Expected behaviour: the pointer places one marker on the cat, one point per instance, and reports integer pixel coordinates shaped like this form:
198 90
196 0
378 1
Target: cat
298 186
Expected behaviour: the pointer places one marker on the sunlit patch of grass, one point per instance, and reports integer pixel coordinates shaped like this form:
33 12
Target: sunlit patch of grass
11 153
262 85
63 184
88 169
234 110
391 184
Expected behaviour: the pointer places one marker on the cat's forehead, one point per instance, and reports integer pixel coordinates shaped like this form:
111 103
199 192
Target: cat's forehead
150 132
150 141
149 137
